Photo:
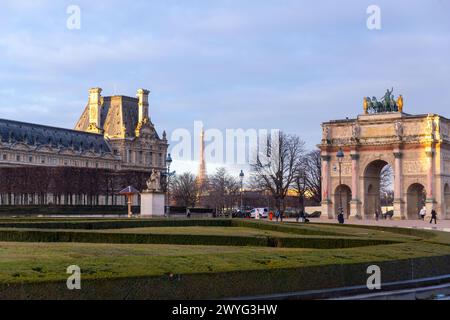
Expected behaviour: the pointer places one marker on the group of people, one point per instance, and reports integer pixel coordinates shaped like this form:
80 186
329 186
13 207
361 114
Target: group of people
423 213
379 215
279 215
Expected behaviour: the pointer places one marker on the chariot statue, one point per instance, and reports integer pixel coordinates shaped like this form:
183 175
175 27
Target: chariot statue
387 104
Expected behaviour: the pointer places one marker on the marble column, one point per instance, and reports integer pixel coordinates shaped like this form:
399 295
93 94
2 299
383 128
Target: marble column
399 204
430 180
326 179
355 203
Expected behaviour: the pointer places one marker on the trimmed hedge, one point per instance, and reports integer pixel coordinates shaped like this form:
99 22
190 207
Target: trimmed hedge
184 239
404 231
231 284
293 229
116 224
65 210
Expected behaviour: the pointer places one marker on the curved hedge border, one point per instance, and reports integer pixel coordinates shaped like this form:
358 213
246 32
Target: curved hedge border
231 284
185 239
144 223
116 224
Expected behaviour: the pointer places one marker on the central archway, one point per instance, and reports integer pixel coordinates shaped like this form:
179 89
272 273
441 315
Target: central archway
378 179
416 197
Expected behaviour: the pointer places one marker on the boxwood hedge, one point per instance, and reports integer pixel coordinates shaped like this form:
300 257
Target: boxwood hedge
232 284
28 235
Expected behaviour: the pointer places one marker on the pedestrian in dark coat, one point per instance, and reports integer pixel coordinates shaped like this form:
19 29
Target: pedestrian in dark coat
433 216
341 218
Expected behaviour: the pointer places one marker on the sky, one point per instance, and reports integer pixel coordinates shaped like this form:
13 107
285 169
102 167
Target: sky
285 64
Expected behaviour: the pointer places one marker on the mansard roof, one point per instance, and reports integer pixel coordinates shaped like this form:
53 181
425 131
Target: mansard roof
40 135
118 117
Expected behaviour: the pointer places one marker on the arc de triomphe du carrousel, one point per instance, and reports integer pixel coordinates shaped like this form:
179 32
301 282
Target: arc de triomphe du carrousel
417 147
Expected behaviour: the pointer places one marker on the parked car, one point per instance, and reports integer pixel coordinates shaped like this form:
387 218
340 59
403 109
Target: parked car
241 214
315 214
263 213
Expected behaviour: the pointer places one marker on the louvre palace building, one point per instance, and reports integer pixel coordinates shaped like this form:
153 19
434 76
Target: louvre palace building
114 144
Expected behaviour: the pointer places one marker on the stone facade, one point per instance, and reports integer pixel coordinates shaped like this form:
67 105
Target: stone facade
113 133
126 125
417 147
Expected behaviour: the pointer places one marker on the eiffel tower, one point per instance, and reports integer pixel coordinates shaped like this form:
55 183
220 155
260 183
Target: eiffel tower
202 175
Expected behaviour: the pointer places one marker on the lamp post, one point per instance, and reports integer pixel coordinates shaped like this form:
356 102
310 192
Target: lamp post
340 156
241 177
168 174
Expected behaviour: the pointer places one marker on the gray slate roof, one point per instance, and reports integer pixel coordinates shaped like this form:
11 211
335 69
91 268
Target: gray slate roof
35 135
118 116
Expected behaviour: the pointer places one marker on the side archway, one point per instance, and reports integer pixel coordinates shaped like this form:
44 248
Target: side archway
342 196
415 200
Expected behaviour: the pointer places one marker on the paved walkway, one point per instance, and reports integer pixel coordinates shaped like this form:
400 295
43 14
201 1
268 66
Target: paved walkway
442 225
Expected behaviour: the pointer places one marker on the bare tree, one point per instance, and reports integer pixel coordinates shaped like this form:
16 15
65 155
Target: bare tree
308 176
386 185
223 190
184 190
276 165
313 165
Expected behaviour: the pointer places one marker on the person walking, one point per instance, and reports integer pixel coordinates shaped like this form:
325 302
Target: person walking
277 215
341 218
422 213
377 215
301 216
433 216
281 216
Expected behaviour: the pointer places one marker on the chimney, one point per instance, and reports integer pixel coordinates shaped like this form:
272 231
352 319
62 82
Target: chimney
142 95
94 109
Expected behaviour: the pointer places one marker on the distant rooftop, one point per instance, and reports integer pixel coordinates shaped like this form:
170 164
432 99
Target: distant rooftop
36 134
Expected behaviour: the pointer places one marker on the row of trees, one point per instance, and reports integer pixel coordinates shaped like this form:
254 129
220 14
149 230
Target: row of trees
283 167
67 185
221 191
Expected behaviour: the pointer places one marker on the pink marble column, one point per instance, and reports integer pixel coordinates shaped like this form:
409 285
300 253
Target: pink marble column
355 177
430 176
325 177
398 176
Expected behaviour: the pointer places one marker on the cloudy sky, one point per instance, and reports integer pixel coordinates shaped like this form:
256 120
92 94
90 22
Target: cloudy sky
288 64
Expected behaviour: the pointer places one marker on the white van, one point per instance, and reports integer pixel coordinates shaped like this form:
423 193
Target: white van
263 213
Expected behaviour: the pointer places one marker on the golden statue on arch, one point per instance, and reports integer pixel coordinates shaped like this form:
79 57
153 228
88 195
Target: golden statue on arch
400 103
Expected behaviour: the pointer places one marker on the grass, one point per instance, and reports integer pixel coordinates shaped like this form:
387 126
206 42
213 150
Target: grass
30 262
41 262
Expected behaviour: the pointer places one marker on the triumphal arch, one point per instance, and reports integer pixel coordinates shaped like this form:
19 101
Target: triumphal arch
417 147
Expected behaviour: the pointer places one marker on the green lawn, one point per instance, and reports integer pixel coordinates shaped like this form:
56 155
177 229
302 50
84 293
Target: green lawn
43 261
40 262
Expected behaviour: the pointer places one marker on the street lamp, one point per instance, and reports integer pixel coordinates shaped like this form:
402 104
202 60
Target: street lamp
168 174
340 156
241 177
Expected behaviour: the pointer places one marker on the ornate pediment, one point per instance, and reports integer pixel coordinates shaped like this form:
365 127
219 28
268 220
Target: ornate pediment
20 146
67 152
44 148
145 129
88 154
